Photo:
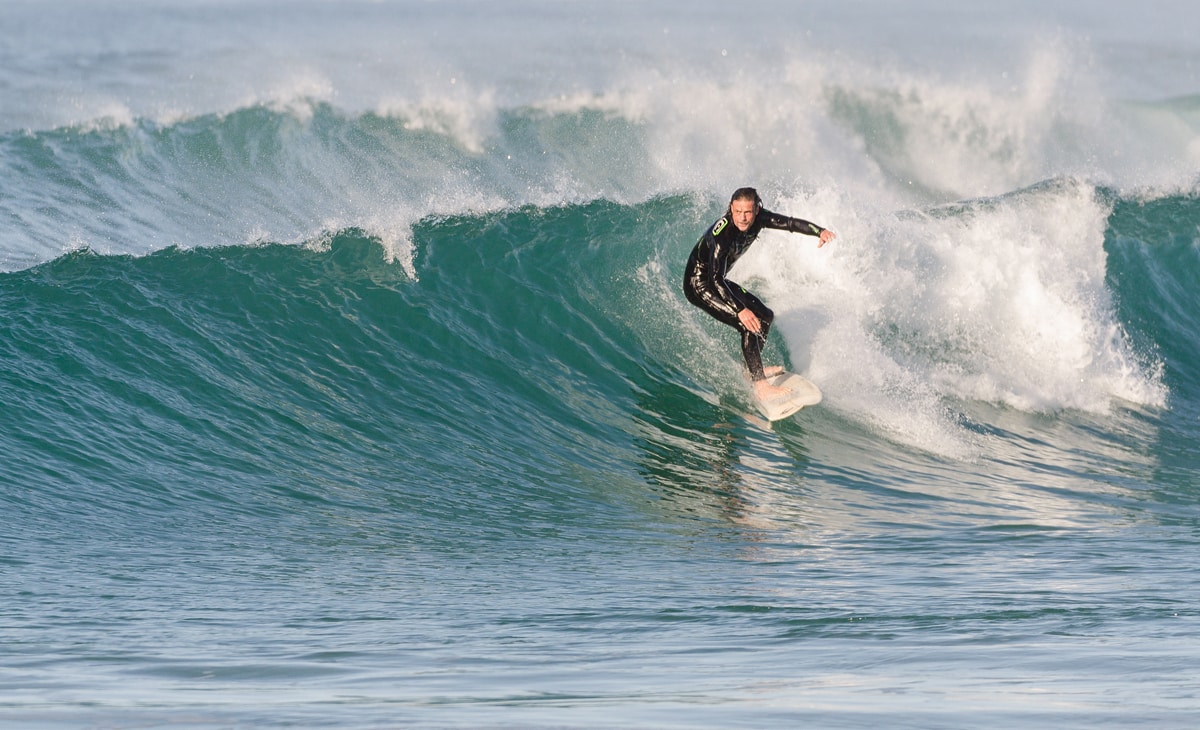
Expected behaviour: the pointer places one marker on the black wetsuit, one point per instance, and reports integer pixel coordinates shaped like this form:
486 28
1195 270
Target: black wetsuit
705 283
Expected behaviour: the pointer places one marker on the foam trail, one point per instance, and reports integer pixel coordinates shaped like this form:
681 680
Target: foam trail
999 300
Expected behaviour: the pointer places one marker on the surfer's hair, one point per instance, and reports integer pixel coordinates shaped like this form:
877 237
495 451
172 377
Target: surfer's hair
746 194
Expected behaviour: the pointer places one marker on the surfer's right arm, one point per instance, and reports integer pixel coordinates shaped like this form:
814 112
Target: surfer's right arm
716 266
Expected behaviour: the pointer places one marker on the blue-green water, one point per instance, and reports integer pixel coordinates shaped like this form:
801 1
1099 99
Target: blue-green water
357 404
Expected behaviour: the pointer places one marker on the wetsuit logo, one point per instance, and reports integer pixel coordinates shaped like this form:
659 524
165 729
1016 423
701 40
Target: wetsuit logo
720 226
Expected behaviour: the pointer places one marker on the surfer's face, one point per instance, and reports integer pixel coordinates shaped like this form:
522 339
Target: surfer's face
743 212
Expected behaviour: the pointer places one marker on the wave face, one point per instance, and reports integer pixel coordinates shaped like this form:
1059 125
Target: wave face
346 375
547 322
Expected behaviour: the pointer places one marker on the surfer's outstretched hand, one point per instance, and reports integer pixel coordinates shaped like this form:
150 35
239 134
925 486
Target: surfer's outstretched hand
826 236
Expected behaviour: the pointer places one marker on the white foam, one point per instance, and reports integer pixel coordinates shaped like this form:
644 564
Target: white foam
464 115
999 300
297 92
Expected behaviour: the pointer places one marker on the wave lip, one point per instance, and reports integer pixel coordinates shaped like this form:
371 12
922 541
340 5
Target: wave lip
293 158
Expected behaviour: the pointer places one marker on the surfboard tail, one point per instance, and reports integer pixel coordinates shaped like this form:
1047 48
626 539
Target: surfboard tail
801 393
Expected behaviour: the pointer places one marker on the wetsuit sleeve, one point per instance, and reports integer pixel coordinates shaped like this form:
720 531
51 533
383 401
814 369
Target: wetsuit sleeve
785 223
717 268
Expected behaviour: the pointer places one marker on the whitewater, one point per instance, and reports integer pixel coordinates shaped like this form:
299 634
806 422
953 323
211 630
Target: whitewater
346 379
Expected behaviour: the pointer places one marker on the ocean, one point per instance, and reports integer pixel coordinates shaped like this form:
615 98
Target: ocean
346 380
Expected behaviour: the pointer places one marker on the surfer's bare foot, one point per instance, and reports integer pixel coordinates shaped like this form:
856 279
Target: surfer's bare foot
772 371
765 391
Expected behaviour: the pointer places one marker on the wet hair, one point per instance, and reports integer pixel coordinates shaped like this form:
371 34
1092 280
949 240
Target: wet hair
746 194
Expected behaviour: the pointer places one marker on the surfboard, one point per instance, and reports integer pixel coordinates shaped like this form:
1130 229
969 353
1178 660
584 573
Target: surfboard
802 393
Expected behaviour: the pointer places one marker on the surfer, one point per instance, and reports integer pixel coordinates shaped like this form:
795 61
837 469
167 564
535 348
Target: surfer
706 286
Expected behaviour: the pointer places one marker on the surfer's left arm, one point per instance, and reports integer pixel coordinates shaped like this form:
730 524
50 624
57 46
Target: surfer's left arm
798 225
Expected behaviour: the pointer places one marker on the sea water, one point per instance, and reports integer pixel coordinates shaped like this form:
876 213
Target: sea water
346 379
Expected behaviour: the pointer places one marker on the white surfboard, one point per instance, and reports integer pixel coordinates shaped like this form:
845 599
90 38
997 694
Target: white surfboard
801 393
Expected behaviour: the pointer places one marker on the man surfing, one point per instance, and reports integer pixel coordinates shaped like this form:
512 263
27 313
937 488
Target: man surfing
706 286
